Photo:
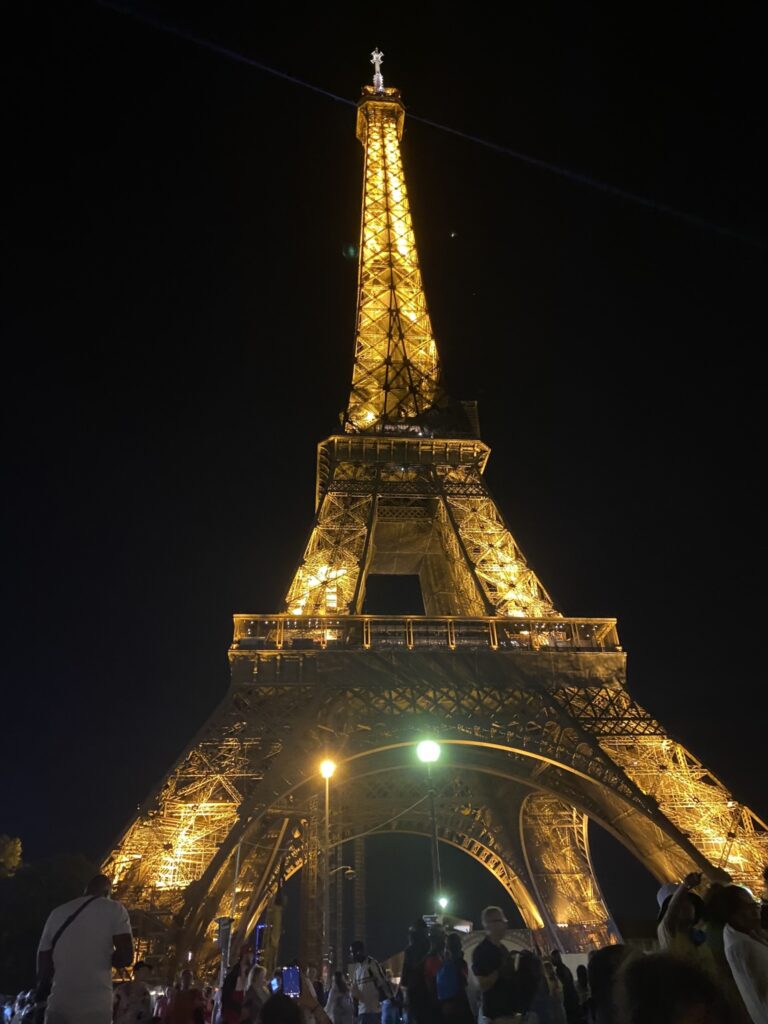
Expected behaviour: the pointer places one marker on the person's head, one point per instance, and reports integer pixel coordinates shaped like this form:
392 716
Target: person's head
257 977
281 1009
340 981
740 909
602 967
357 951
549 970
528 977
246 957
666 989
186 980
453 944
689 910
99 885
581 975
311 972
418 935
494 921
436 939
169 992
556 957
140 971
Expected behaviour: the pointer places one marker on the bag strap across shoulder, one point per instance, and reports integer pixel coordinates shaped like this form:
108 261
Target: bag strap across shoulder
69 921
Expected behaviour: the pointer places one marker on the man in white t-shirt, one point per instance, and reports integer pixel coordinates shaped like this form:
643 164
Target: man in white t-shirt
746 950
368 985
81 942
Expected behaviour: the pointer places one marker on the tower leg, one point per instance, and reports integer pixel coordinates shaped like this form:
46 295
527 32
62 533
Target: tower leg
556 848
310 951
359 911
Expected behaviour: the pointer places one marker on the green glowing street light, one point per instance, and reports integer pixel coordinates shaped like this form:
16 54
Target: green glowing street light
428 751
443 902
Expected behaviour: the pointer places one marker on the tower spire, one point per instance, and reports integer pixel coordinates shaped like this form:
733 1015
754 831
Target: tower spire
395 376
377 58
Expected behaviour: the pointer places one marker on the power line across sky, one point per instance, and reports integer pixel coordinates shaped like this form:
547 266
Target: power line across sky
575 177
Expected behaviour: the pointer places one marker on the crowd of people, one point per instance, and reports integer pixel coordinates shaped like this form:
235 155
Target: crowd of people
711 967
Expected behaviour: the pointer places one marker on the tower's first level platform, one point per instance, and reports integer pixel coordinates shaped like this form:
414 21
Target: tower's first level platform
366 632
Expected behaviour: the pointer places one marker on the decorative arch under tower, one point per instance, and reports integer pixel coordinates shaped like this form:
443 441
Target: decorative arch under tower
539 732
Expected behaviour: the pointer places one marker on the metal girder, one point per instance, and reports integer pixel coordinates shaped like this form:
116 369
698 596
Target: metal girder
395 375
556 846
518 694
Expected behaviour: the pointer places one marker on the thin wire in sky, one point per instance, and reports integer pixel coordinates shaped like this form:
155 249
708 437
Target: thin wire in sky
545 165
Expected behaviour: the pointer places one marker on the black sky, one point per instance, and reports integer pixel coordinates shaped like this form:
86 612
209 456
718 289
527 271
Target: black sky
178 322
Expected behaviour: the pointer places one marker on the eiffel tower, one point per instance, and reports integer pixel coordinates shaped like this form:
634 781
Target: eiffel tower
538 732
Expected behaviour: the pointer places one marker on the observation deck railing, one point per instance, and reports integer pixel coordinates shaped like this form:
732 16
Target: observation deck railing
418 632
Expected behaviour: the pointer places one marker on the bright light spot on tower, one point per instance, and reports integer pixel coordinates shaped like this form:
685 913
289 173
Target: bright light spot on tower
428 751
327 768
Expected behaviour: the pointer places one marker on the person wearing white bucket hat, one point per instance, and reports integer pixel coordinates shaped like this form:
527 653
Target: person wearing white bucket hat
680 915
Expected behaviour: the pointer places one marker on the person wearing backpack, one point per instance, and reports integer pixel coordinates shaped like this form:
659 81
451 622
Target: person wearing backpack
451 984
369 985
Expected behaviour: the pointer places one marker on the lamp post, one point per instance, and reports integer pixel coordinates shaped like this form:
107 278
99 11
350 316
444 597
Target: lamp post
327 768
428 751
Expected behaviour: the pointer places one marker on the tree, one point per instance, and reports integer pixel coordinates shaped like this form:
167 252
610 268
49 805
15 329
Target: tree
10 855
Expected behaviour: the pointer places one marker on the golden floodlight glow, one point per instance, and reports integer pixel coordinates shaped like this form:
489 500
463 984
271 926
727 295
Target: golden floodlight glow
327 768
395 375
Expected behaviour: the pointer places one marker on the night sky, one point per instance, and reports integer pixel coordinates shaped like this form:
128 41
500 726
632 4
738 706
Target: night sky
178 317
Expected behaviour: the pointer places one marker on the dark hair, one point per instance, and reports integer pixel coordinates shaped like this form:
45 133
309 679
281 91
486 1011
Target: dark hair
357 944
663 988
715 904
139 964
731 897
601 972
98 885
528 978
280 1009
453 942
693 897
581 974
341 985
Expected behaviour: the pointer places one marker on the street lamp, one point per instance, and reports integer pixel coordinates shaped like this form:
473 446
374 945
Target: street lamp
442 902
428 751
327 768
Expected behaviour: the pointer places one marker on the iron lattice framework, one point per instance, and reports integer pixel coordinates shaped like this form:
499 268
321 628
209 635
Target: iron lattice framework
540 733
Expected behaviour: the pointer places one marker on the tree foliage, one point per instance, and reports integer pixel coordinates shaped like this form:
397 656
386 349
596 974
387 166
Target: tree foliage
10 855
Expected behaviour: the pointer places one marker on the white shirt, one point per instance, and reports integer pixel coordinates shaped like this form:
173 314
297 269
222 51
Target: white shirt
364 987
82 958
748 960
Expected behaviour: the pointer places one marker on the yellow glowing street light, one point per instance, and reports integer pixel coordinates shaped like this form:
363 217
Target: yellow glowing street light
327 768
428 751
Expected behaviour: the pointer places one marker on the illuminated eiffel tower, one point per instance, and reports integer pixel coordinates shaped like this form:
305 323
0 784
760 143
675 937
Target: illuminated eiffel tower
538 733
